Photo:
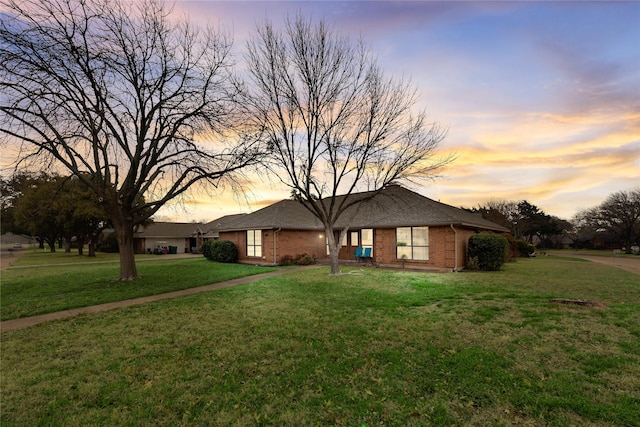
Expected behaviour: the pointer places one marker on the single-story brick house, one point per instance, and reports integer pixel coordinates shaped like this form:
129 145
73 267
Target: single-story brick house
186 237
399 225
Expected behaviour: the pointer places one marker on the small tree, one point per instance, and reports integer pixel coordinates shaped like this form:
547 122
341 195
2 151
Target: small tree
11 189
581 226
40 208
334 123
82 215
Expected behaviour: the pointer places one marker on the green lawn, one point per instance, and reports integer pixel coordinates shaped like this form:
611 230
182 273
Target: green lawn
44 282
38 257
372 347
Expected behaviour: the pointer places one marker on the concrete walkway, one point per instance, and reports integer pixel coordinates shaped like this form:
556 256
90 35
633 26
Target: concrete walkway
25 322
629 264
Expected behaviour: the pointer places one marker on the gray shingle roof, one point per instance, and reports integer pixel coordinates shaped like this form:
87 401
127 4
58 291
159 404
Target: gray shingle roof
394 206
288 214
169 229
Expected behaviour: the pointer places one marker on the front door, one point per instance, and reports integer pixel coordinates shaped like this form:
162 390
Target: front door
349 244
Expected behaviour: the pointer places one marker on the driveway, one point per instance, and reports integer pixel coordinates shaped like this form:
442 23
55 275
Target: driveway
8 257
631 264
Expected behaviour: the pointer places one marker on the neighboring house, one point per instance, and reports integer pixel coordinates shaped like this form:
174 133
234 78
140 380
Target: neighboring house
560 241
185 237
400 226
604 240
10 238
13 241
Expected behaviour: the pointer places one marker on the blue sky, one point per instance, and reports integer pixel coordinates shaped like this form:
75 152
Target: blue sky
542 99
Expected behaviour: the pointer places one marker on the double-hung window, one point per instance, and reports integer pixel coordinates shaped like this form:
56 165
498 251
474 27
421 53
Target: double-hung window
412 243
254 243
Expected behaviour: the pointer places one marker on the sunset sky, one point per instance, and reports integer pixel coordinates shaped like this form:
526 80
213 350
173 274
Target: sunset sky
542 99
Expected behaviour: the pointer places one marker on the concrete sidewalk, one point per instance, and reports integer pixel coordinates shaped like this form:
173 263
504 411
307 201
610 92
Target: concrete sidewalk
25 322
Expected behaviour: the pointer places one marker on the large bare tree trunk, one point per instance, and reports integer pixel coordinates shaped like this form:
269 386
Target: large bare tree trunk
334 253
51 241
334 250
335 261
123 229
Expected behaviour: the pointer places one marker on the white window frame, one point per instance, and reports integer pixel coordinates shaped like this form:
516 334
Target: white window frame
254 243
416 246
355 238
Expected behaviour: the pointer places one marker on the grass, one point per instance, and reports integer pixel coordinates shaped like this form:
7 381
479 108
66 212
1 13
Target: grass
38 257
371 347
607 253
70 281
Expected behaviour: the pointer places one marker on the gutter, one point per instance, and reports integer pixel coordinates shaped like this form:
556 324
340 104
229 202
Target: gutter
455 248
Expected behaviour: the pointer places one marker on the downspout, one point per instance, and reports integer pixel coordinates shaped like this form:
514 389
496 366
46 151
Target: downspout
275 256
455 249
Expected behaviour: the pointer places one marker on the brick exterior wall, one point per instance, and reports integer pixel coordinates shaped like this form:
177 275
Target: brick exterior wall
289 242
442 249
293 242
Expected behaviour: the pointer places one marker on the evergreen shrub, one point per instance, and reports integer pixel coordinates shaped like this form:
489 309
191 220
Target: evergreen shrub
109 244
513 248
525 248
305 259
206 248
300 259
490 250
220 251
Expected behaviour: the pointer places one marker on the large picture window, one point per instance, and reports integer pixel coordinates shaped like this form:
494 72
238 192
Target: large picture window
412 243
254 243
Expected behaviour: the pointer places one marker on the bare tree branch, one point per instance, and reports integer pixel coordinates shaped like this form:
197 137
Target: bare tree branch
334 123
121 97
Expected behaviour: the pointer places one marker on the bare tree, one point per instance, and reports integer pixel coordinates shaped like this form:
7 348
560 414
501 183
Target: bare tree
123 98
334 123
619 214
581 227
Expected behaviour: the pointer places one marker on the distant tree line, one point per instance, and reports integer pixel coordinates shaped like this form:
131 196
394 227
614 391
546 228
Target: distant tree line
55 209
525 220
618 216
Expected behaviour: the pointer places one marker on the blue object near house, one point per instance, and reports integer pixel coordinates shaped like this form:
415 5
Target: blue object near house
366 253
358 254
